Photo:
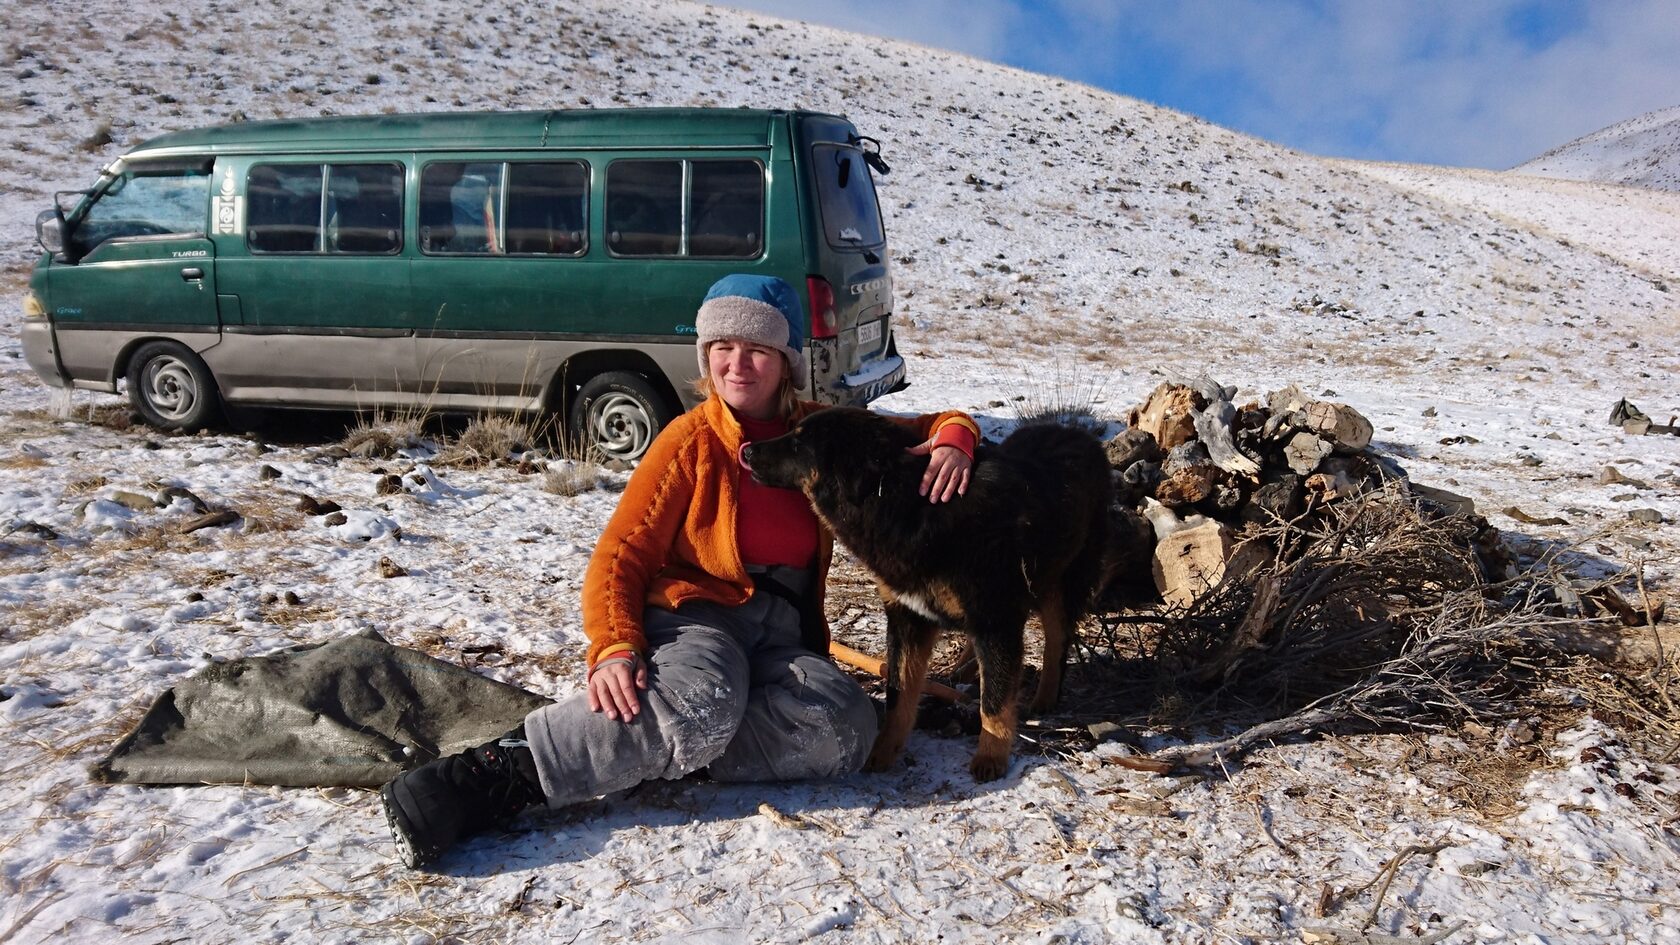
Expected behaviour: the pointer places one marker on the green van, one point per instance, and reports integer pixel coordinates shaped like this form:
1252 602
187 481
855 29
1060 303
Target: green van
532 262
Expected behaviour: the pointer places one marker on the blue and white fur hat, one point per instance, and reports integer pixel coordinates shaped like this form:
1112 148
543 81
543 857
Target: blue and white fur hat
761 309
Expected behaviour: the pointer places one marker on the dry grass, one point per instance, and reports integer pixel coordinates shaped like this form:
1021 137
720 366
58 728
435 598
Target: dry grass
383 435
487 441
23 461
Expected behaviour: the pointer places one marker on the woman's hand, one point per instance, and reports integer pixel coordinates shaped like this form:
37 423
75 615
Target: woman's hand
947 472
613 684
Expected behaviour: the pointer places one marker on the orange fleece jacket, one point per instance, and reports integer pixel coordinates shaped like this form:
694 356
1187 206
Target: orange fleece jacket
672 537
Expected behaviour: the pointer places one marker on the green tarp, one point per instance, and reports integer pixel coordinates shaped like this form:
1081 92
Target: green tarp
356 712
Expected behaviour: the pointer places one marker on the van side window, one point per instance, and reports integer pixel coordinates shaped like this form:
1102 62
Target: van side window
364 208
460 204
145 203
547 208
644 208
495 208
719 213
284 208
726 209
362 212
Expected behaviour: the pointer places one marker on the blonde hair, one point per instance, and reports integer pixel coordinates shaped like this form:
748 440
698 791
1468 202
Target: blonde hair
787 396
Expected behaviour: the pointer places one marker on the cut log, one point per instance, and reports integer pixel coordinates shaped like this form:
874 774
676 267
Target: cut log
1191 561
1304 452
1186 485
1346 428
1213 425
1278 498
1132 446
1168 415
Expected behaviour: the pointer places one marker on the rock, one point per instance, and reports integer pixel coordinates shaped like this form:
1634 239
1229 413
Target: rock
37 530
209 520
291 599
335 518
266 473
1449 502
133 500
391 569
168 496
1610 475
389 484
1529 459
309 505
1648 516
1429 411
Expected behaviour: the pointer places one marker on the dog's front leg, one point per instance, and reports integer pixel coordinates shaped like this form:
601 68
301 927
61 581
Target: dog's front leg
910 639
999 649
1053 617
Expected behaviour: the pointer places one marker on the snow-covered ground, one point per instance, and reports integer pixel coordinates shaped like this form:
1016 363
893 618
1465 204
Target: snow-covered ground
1643 151
1051 241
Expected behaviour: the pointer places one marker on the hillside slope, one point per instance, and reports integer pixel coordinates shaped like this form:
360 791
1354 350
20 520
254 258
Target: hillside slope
1642 152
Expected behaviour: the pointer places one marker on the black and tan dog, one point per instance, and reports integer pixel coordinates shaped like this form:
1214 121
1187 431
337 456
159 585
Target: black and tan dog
1028 536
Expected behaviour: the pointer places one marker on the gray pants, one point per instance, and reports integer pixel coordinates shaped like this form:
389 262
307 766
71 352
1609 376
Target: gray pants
729 690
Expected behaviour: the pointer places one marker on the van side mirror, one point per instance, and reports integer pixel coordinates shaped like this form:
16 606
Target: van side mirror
49 230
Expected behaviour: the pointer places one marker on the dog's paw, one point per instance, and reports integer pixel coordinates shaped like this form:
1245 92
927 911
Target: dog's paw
880 760
988 767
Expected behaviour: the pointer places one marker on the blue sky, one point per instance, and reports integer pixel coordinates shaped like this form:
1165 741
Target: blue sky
1477 83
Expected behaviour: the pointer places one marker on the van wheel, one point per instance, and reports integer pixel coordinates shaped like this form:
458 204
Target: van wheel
170 387
619 414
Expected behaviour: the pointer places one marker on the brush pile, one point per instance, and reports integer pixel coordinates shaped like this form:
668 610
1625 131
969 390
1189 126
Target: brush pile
1297 574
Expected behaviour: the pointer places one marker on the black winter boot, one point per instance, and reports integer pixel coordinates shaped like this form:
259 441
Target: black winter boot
442 801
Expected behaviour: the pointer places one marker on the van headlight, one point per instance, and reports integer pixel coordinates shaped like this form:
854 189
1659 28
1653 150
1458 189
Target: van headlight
32 307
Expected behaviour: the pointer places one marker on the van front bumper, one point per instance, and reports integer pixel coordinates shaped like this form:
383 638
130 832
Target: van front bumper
877 379
38 350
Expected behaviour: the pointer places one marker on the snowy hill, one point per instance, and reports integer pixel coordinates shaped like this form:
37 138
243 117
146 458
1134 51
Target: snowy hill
1050 241
1641 152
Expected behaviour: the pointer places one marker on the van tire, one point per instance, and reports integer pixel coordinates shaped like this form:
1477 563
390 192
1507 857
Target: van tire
170 387
618 414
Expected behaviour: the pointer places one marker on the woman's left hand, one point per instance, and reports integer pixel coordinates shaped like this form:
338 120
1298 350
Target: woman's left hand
947 472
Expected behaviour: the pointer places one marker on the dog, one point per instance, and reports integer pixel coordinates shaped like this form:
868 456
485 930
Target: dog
1029 535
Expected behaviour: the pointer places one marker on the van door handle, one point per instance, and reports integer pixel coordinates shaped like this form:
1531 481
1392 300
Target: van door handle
192 274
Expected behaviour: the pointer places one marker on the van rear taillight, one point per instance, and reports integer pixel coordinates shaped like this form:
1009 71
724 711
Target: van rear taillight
824 322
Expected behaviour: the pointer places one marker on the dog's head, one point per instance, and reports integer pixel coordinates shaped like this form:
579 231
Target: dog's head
839 450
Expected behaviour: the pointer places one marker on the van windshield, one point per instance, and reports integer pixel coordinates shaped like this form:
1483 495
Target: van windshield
145 203
851 216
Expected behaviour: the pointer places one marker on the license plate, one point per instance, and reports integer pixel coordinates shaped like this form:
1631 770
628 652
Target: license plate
869 333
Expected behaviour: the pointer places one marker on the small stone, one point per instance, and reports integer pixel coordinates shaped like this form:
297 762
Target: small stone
1648 516
1429 411
172 493
134 500
391 569
335 519
1531 461
291 599
389 485
265 473
194 597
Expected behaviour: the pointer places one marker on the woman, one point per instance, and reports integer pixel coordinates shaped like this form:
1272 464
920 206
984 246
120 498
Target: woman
703 607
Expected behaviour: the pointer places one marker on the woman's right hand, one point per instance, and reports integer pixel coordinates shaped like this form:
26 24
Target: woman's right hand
613 685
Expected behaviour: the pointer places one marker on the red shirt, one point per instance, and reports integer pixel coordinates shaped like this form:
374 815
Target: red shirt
772 526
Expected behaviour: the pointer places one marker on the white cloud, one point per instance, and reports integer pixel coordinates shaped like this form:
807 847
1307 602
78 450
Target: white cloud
1443 81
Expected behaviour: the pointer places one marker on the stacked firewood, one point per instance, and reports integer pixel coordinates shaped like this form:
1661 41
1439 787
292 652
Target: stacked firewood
1195 474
